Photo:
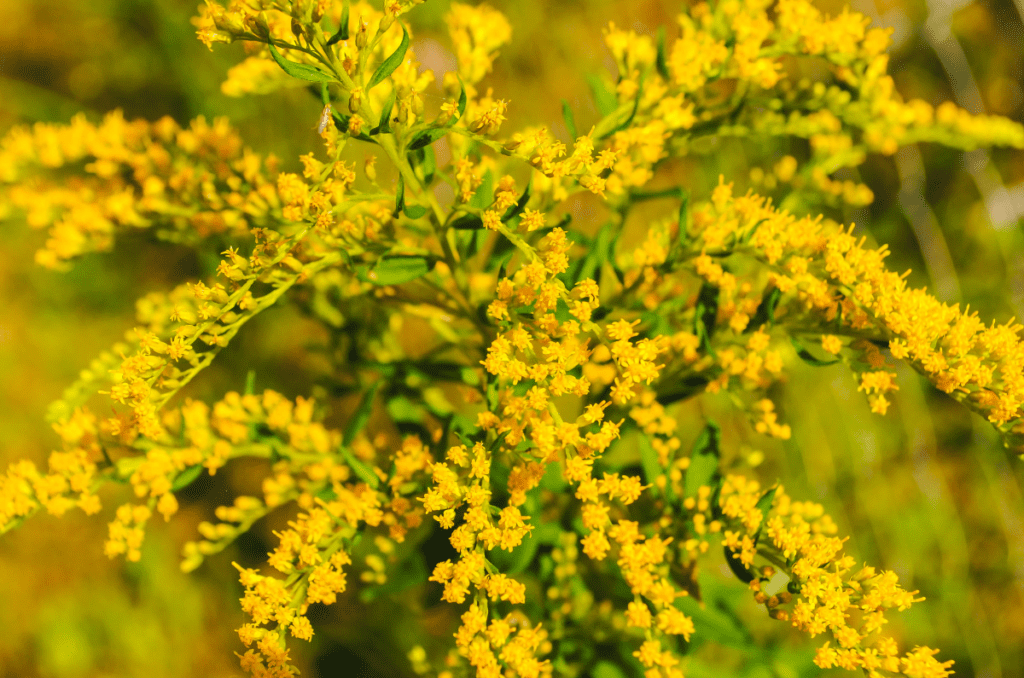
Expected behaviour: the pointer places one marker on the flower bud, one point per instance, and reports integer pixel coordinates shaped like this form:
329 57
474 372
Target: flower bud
361 36
355 100
385 24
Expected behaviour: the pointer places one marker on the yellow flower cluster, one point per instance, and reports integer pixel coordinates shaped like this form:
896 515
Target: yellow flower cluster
840 282
187 184
545 401
70 482
826 591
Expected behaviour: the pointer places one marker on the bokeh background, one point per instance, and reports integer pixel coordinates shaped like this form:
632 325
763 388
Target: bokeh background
927 491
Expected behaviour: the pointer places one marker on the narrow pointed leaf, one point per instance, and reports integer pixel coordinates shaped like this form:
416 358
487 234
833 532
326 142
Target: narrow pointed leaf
808 357
570 122
661 63
300 71
342 33
427 137
361 416
399 196
384 125
389 65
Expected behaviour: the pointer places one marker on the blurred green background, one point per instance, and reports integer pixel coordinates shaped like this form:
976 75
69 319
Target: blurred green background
926 491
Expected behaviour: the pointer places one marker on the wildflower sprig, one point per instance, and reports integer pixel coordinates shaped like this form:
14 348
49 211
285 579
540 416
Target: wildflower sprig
540 356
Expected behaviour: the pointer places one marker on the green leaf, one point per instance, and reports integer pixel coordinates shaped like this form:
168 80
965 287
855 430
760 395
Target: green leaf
517 209
684 216
562 313
397 270
606 669
362 414
808 357
325 96
389 65
399 196
649 463
711 624
671 192
415 211
384 125
186 477
706 315
484 194
660 62
468 221
570 121
461 105
300 71
364 472
737 566
765 313
426 137
429 166
632 114
597 253
250 382
342 33
704 459
605 100
763 505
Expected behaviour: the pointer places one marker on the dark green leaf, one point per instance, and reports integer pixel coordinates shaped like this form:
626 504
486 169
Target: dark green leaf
461 107
415 211
684 216
763 505
399 196
342 33
661 62
468 221
384 125
570 121
389 65
427 137
765 312
706 315
297 70
737 566
808 357
429 166
186 477
672 192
